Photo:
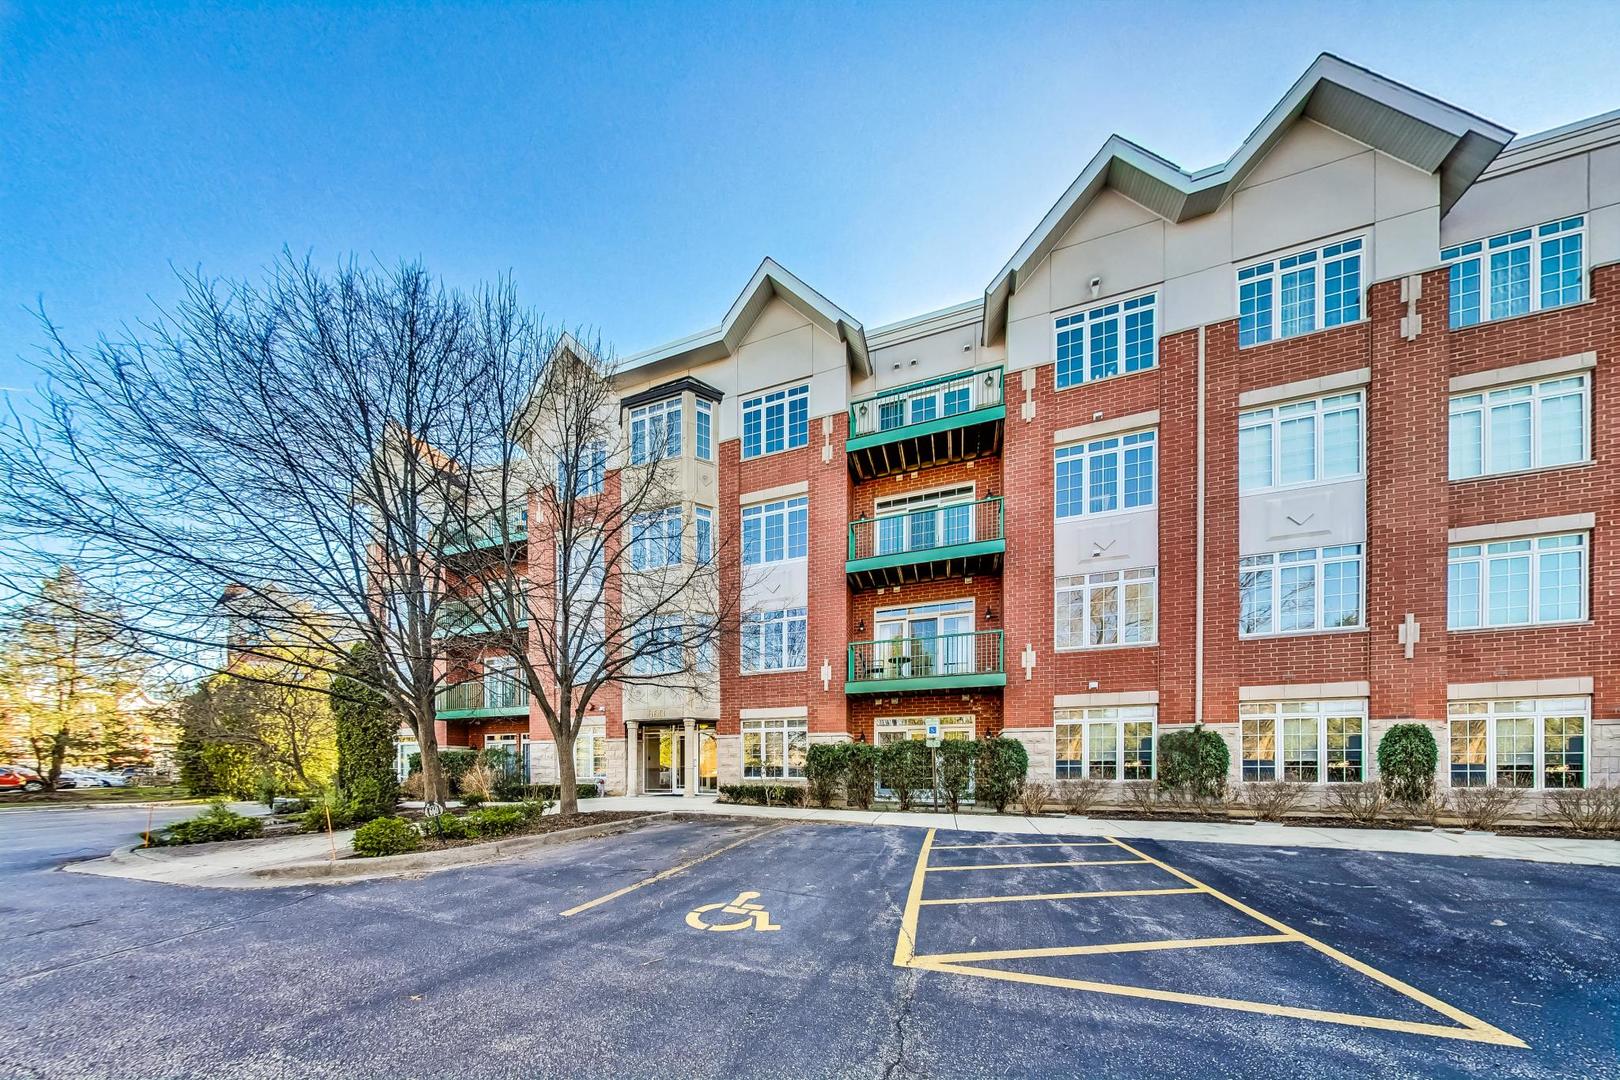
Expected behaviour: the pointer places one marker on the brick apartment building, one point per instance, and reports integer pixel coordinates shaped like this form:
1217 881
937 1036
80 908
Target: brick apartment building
1301 446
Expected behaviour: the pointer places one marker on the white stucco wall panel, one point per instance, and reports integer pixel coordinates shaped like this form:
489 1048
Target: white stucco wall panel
1321 515
1087 545
1125 261
1329 199
1516 199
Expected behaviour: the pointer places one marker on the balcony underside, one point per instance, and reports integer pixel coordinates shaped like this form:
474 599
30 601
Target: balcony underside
933 564
935 442
927 682
481 714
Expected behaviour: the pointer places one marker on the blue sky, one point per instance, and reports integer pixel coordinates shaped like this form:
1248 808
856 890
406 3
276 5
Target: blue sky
630 164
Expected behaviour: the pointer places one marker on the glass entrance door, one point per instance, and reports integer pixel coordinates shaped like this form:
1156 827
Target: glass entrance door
663 760
708 759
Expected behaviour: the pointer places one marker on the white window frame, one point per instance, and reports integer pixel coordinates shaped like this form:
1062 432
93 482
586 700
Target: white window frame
1114 446
643 662
1483 553
1533 238
1274 268
1318 558
594 742
653 533
915 728
783 728
1486 403
1087 585
1320 711
906 507
1540 710
592 474
760 623
1089 322
760 403
1271 418
1116 716
787 510
703 430
647 421
703 534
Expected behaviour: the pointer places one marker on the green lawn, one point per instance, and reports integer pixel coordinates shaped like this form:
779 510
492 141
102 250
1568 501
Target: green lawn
96 795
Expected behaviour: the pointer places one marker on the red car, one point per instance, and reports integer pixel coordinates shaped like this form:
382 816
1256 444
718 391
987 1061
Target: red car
17 778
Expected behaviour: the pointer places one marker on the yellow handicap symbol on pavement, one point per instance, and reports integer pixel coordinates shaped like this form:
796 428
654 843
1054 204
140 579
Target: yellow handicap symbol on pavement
749 914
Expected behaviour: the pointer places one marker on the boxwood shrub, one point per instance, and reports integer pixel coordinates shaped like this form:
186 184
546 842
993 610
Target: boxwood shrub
1193 762
218 822
386 836
999 771
824 767
1407 756
860 774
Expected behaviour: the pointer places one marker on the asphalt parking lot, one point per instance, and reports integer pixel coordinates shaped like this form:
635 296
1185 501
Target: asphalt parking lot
718 948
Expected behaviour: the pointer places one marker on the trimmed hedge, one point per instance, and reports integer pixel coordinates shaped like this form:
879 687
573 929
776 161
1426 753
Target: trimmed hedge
1193 762
218 822
999 771
956 757
1407 757
906 768
553 792
386 836
763 794
824 767
860 774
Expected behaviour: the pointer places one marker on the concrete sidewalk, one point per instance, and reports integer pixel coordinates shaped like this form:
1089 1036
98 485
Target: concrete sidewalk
233 864
1260 834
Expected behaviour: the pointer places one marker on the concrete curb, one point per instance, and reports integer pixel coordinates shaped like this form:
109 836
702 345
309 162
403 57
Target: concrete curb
468 855
46 808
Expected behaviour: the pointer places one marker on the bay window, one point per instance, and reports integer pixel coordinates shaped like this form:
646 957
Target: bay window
1113 607
1300 591
1524 582
1107 340
655 539
1306 742
1105 743
655 431
1524 743
1530 426
1517 272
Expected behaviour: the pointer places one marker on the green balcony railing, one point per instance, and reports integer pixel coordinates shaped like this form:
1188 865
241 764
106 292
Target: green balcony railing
937 401
926 531
487 533
486 696
462 620
940 662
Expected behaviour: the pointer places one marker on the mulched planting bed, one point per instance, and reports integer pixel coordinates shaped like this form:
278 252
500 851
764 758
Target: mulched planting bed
548 824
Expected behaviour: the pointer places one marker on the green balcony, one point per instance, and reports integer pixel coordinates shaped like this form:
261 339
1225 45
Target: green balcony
934 422
942 662
463 620
489 538
492 695
924 544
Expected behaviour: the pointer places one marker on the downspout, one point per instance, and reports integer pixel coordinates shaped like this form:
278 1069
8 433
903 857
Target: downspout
1198 602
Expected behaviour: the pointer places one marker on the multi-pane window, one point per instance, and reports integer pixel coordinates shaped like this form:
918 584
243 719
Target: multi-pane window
1539 579
655 431
1289 592
950 395
1532 426
1304 741
703 519
655 539
779 420
1526 742
705 429
774 640
1105 743
590 754
657 648
585 477
922 521
893 729
1114 607
774 748
1301 442
1105 341
776 531
1299 293
1104 475
1518 272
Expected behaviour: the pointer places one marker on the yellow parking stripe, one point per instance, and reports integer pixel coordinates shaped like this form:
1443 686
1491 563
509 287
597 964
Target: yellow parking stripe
1097 950
1472 1022
906 945
1032 865
1482 1033
1061 843
1055 896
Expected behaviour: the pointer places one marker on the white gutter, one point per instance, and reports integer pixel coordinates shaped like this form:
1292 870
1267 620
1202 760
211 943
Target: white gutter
1198 604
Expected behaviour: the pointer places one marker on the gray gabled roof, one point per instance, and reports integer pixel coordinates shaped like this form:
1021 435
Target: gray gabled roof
769 281
1413 127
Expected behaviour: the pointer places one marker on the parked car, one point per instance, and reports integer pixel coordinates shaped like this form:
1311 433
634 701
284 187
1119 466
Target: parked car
96 778
18 778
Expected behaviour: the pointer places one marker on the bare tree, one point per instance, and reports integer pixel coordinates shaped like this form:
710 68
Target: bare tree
619 586
333 448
